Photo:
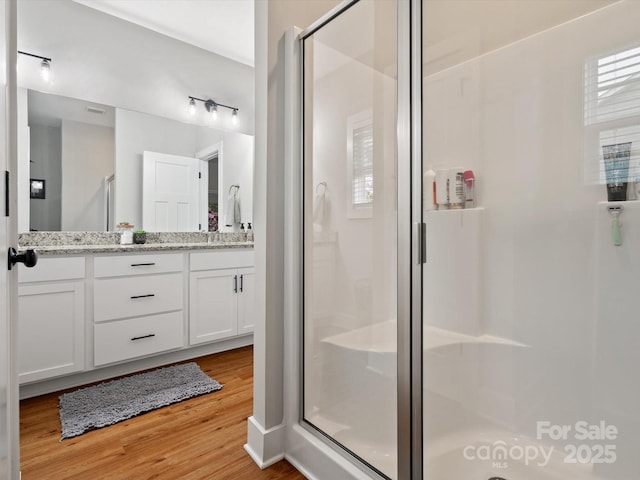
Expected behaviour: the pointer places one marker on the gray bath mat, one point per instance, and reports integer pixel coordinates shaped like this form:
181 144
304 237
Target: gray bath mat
117 400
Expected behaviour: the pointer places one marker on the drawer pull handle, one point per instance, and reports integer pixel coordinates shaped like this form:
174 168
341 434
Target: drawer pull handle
143 296
143 336
235 284
241 282
143 264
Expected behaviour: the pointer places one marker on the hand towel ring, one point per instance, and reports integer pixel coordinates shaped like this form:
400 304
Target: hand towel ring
232 186
323 184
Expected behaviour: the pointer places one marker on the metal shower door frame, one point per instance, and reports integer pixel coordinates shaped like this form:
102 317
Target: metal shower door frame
411 239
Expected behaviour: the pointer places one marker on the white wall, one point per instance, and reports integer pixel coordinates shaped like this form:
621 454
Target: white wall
46 158
134 133
364 266
136 69
87 159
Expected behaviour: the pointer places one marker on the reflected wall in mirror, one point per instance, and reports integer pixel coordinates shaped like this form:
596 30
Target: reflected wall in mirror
144 91
71 147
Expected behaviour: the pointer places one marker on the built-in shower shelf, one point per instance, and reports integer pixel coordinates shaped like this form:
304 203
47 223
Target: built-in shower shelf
381 338
453 211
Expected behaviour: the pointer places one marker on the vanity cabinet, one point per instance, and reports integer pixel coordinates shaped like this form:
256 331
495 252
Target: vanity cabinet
138 306
221 295
51 320
87 314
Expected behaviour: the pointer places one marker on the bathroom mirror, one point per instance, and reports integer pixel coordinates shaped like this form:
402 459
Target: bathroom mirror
140 95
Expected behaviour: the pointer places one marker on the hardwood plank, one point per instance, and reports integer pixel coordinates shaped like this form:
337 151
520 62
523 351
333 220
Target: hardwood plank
200 438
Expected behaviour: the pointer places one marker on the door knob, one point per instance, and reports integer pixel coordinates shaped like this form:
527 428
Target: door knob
29 258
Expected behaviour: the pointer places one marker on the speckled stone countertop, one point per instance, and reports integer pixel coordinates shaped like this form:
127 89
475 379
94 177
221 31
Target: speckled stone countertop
70 243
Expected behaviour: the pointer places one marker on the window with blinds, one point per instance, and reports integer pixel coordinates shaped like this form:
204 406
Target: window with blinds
612 110
360 165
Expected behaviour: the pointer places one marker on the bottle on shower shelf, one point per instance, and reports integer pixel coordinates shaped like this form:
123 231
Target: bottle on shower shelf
456 188
469 189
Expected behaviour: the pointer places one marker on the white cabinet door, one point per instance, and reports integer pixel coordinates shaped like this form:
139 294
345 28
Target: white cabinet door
50 330
246 300
213 305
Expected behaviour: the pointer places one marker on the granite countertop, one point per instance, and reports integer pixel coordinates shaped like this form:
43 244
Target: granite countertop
147 247
70 243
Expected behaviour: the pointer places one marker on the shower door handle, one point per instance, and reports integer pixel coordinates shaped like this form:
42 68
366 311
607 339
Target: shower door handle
420 242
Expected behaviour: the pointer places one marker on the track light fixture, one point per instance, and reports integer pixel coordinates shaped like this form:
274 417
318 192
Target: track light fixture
45 64
211 107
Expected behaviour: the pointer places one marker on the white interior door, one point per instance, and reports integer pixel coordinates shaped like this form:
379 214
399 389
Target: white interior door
9 404
170 193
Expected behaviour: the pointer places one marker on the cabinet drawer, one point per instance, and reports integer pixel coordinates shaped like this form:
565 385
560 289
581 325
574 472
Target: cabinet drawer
221 259
136 337
49 269
133 296
123 265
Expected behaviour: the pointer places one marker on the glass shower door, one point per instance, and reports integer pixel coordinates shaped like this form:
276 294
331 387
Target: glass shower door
350 233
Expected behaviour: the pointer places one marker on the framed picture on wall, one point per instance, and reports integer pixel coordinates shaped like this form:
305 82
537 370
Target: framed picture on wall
37 188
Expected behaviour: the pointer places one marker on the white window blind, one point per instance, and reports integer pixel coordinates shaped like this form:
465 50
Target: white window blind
612 110
362 181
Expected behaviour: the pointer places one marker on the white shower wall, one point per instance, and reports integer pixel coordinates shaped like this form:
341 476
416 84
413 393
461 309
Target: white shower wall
515 116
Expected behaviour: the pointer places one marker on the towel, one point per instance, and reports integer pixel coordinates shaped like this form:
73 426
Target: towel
233 209
321 212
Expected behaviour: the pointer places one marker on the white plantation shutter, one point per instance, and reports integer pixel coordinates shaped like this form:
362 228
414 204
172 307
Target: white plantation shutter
612 110
362 182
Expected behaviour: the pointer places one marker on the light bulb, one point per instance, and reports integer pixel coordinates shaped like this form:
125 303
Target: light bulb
45 68
192 107
214 112
234 116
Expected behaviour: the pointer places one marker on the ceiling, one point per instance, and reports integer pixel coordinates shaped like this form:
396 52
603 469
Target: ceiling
224 27
50 110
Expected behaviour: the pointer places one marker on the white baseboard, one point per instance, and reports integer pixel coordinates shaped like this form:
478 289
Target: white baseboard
265 447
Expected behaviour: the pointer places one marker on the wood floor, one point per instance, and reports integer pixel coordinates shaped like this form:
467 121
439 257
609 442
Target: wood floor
200 438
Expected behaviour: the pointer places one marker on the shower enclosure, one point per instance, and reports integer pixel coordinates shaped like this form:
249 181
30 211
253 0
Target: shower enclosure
468 291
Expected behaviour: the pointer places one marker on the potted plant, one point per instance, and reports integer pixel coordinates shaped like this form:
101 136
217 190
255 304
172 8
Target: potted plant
139 237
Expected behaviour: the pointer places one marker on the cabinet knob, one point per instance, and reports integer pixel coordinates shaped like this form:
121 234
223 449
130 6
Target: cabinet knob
29 258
